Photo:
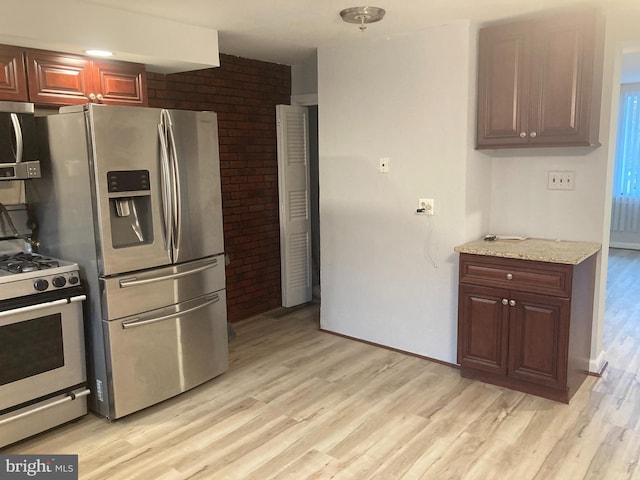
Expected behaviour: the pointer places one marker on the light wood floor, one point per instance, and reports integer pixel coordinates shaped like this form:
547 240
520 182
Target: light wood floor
302 404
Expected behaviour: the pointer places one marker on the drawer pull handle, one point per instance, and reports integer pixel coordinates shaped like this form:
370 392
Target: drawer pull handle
512 303
509 276
505 301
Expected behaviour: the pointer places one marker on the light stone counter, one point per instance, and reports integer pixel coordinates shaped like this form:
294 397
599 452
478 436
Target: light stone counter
552 251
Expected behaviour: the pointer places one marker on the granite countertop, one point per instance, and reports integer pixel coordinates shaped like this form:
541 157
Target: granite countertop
541 250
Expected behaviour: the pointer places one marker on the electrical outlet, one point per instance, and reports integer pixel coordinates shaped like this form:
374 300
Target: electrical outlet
426 204
384 165
561 180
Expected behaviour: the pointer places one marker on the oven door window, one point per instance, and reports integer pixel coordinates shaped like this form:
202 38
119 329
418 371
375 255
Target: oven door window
30 347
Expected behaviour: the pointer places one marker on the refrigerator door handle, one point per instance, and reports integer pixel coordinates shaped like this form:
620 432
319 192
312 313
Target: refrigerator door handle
134 281
17 131
177 194
136 322
167 206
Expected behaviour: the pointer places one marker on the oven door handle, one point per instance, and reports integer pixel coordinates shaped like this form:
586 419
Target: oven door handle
67 398
136 322
40 306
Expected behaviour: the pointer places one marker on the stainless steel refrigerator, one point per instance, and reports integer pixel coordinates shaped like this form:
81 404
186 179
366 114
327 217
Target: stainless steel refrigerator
133 196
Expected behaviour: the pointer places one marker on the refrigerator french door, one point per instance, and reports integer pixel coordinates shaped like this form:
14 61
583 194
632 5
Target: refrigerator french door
157 181
133 196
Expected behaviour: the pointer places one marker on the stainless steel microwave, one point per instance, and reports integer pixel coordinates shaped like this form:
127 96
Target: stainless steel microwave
18 142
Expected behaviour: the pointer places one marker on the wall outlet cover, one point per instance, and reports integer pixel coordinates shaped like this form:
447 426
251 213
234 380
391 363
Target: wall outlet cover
426 204
561 180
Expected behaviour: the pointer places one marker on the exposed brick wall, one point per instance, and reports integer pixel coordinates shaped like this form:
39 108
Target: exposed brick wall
244 93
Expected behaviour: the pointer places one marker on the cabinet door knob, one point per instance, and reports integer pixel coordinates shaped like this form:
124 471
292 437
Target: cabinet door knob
99 97
533 134
505 301
92 96
523 134
509 276
512 303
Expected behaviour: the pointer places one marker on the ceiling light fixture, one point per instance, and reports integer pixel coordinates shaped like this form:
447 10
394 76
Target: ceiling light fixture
98 53
362 15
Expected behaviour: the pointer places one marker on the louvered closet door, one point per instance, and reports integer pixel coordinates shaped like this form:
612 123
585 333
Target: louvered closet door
293 187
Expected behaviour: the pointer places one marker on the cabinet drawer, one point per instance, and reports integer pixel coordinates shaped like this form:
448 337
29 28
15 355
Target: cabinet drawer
523 275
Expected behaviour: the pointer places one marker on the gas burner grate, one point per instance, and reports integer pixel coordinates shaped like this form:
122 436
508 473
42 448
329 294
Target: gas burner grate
26 262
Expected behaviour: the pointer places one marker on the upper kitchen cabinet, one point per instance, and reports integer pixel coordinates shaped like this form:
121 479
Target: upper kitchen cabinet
539 82
13 80
63 79
120 83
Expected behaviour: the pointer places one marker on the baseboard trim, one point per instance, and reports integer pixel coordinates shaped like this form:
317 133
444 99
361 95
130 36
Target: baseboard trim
599 365
386 347
599 373
625 246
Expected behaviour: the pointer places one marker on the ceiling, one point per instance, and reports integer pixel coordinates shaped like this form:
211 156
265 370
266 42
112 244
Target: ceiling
288 31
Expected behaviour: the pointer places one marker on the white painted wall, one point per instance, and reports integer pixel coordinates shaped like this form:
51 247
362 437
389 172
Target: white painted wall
406 97
304 76
304 81
521 203
409 98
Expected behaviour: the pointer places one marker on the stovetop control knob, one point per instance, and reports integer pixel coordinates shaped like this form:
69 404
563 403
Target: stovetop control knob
73 280
59 281
41 285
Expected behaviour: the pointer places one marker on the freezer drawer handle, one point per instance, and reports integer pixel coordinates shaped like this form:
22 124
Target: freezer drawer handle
67 398
136 322
133 281
40 306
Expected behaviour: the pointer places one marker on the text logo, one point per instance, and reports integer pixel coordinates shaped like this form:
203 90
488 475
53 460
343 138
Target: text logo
50 467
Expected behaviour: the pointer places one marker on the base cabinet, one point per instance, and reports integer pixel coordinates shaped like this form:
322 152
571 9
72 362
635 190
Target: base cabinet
525 325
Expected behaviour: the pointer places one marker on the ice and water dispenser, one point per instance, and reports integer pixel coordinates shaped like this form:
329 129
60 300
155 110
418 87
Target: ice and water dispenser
130 208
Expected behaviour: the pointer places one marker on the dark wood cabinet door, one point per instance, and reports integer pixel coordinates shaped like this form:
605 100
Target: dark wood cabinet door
539 339
539 82
503 85
13 79
56 79
562 80
482 329
119 83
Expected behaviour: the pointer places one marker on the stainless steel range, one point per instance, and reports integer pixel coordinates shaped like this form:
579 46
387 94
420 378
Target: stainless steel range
42 352
26 274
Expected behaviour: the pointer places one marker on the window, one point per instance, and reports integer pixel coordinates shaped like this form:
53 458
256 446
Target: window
627 164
